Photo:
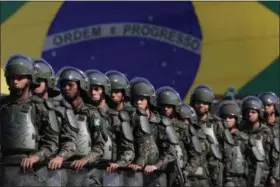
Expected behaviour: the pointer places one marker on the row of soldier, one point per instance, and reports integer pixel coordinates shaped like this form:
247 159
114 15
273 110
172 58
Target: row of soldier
105 124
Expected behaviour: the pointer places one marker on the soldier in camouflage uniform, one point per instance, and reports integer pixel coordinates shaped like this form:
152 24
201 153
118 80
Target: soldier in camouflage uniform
271 117
29 133
119 148
259 146
169 103
65 115
236 170
155 137
213 127
196 171
90 140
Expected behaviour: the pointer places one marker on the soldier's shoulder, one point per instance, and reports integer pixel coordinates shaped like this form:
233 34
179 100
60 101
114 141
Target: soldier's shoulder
129 108
37 100
166 121
265 128
243 135
4 99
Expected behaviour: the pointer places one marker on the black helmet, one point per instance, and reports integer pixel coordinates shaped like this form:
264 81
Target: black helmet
74 74
228 107
202 93
252 102
119 81
142 87
268 98
45 71
166 95
187 112
19 64
230 93
98 78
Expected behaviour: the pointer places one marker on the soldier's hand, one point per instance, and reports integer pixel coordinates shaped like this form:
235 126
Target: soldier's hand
79 164
27 163
135 167
56 162
112 167
149 169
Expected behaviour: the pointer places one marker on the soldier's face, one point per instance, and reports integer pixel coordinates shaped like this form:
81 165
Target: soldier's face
141 103
96 93
18 82
69 89
253 115
117 96
201 107
42 86
269 109
167 110
230 121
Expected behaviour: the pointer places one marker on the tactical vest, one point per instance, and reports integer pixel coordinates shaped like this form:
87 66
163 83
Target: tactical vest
83 139
180 149
18 132
258 149
209 132
173 138
196 138
276 154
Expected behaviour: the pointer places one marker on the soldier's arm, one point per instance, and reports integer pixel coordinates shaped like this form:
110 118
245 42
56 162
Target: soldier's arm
98 139
68 134
127 152
49 132
167 154
268 139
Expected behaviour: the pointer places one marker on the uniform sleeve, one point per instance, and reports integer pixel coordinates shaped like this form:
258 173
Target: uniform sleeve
49 137
167 151
127 152
68 136
268 143
98 139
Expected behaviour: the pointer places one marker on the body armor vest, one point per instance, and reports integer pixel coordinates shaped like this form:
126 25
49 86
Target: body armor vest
258 149
209 132
18 130
196 138
238 160
83 139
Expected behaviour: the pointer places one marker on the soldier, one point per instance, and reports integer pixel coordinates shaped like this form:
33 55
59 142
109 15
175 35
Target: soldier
234 148
271 117
65 115
29 134
120 93
90 139
196 171
213 127
169 103
119 148
260 141
155 137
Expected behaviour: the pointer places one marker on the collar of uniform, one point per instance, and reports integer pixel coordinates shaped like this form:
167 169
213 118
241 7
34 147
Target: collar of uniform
103 110
154 118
